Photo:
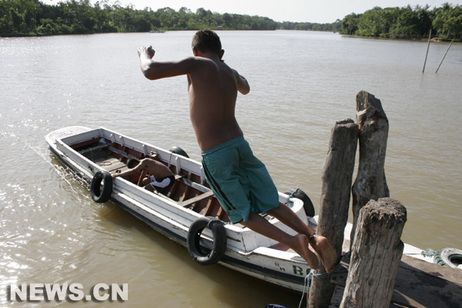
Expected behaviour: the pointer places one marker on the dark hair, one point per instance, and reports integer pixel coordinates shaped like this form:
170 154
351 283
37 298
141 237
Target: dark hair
132 162
206 40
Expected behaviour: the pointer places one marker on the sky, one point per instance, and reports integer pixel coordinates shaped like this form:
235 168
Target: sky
319 11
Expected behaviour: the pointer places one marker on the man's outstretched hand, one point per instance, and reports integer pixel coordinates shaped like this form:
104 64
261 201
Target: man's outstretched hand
146 51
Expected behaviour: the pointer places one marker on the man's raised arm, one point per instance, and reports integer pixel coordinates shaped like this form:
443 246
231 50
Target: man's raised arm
242 84
156 70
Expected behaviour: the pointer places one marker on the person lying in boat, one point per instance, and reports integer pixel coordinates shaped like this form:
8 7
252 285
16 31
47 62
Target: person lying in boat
155 176
238 179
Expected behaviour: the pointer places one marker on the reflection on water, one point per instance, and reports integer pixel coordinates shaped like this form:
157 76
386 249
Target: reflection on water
302 82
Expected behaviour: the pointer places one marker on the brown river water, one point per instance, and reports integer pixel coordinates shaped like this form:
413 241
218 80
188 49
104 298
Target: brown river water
301 84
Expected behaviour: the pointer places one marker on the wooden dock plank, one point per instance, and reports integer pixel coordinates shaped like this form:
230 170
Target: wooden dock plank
418 284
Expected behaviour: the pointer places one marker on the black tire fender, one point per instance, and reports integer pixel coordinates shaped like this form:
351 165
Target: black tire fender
219 240
451 257
307 204
179 151
101 186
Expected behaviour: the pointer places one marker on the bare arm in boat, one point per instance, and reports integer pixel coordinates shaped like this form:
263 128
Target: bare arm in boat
126 172
147 166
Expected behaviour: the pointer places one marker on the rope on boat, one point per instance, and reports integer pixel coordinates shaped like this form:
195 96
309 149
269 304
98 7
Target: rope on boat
307 283
428 253
300 194
290 197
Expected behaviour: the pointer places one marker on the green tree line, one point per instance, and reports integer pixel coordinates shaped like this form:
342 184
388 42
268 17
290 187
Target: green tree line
32 17
445 22
331 27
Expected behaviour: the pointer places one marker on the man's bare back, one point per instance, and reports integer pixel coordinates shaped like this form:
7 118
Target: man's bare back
212 97
212 87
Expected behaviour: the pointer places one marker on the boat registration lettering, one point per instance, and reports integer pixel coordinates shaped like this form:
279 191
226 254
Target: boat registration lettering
281 268
297 270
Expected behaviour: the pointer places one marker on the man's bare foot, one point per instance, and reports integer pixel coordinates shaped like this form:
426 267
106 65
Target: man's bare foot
325 251
301 247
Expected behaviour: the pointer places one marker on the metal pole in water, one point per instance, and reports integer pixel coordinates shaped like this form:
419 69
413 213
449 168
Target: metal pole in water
444 56
428 47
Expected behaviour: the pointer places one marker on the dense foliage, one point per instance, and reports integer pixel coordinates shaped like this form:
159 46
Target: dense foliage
32 17
333 27
406 23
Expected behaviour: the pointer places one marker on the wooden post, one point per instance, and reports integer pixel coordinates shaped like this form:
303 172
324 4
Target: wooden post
444 57
375 255
370 181
335 199
428 47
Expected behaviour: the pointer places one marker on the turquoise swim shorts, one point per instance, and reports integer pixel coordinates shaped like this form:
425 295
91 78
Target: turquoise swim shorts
239 180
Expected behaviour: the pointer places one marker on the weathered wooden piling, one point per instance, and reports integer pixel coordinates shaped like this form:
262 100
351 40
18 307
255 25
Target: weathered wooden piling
370 181
375 254
335 199
372 132
374 273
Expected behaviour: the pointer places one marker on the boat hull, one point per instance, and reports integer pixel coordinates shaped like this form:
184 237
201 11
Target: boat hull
247 252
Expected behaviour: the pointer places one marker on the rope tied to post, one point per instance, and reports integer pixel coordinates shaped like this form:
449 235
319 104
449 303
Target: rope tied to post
307 283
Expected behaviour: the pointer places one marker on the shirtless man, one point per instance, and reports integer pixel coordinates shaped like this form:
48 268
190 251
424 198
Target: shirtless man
238 179
155 176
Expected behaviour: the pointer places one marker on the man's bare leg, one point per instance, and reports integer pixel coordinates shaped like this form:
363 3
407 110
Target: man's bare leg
319 243
299 243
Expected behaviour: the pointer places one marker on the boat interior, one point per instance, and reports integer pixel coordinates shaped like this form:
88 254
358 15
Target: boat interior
187 191
190 189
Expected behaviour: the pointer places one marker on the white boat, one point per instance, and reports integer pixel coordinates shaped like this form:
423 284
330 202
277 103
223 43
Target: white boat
185 210
188 214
